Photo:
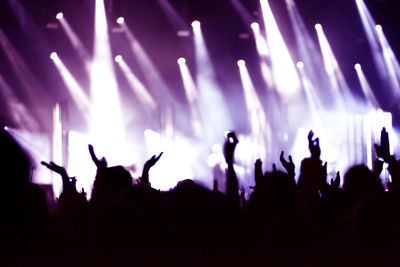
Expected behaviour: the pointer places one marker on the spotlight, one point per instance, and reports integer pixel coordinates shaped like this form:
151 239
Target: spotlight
181 60
300 65
5 128
53 55
318 27
118 58
59 15
357 66
255 26
241 63
196 24
120 20
378 28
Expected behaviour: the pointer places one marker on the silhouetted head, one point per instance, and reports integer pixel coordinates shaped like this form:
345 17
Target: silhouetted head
110 182
358 182
15 164
312 174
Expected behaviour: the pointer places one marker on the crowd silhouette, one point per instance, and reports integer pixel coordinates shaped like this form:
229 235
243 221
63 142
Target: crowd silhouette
126 221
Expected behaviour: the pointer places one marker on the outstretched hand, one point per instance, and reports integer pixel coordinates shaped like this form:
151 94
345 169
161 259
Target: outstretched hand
313 146
100 164
335 182
144 180
229 148
288 165
383 150
152 161
56 168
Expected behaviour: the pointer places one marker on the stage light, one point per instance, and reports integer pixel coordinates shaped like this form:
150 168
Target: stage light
5 128
118 58
53 55
378 28
357 66
59 15
181 60
120 20
318 27
300 65
241 63
196 24
255 26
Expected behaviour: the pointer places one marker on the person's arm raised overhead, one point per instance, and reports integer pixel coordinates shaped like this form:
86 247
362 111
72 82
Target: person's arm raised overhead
144 180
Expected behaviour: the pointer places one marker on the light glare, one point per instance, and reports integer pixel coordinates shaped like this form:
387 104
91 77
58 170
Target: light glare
181 60
196 24
357 66
255 26
241 63
118 58
300 65
59 15
53 55
378 28
120 20
318 27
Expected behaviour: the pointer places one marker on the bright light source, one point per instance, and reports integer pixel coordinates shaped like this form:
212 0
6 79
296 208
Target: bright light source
120 20
181 60
241 63
59 15
318 27
53 55
357 66
196 24
118 58
255 26
300 65
5 128
378 28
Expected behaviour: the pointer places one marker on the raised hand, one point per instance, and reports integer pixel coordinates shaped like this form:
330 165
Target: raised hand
69 184
258 173
383 150
229 148
288 165
144 180
313 146
335 183
100 164
56 168
152 161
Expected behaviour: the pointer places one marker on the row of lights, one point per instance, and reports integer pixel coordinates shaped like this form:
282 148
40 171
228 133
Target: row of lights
196 25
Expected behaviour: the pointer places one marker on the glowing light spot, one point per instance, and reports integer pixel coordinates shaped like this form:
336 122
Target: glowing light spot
53 55
196 27
196 24
378 28
300 65
120 20
181 60
255 26
318 27
59 15
118 58
357 66
241 63
5 128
